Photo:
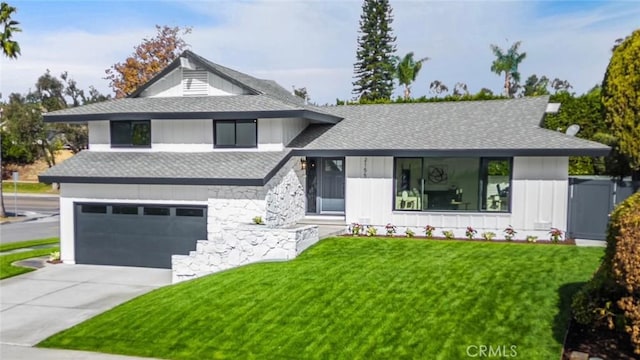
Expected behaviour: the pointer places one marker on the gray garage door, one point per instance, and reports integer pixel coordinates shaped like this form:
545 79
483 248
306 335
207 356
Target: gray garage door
136 235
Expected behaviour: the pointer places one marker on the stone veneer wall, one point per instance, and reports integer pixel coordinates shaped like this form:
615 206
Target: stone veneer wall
232 241
243 245
280 202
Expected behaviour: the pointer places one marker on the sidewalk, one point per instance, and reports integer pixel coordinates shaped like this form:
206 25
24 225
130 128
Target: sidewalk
15 352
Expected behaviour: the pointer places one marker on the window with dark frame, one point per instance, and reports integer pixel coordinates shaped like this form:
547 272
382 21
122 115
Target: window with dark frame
235 133
131 133
452 184
157 211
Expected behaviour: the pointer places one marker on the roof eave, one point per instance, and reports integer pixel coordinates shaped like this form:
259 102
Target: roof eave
215 115
149 180
455 152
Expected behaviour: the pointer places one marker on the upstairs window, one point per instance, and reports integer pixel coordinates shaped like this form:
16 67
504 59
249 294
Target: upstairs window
131 133
236 133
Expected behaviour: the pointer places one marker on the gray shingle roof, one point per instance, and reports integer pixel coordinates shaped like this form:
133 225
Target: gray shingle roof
196 104
464 125
216 168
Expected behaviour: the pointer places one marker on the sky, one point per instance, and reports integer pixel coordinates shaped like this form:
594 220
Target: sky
312 44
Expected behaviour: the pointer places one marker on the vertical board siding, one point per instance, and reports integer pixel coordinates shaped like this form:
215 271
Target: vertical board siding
169 85
182 131
135 193
540 192
292 127
539 195
99 132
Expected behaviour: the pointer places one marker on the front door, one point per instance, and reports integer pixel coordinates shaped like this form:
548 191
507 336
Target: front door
325 185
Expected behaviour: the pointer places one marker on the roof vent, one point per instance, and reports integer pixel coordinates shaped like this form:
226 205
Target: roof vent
195 83
553 108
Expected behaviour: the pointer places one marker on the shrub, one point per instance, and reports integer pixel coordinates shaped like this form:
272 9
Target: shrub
428 231
372 231
488 235
556 235
355 229
509 233
409 233
532 238
390 228
470 233
54 256
448 234
612 297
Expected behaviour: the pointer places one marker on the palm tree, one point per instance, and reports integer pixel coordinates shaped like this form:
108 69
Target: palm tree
10 49
507 63
406 71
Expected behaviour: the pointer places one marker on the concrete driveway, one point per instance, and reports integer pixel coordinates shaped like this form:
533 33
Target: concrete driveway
39 304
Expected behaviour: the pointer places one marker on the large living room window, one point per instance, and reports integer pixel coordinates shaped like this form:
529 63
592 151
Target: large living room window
236 133
131 133
452 184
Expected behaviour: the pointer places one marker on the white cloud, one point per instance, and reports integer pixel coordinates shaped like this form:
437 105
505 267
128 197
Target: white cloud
312 43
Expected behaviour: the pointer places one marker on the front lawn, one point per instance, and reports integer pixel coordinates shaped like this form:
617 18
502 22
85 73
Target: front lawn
28 187
7 270
357 298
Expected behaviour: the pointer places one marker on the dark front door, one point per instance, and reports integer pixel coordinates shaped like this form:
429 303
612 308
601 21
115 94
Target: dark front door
325 185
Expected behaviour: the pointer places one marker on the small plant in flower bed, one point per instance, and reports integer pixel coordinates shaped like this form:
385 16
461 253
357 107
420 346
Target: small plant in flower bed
372 231
509 233
409 233
488 235
390 229
448 234
556 235
428 231
531 238
258 220
470 233
355 229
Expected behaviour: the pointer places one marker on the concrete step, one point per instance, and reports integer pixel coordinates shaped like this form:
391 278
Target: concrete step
323 220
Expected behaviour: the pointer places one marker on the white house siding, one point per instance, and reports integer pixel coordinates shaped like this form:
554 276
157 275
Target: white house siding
182 135
172 85
275 134
169 85
118 193
369 189
99 135
540 192
539 199
197 135
219 86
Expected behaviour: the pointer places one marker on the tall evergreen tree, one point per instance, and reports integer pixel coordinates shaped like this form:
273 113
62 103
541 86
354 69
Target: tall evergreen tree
374 67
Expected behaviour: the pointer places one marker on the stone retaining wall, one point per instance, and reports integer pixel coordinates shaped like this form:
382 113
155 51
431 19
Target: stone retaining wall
241 245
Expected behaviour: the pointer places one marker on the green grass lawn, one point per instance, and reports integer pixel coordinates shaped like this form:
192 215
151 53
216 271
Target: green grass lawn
7 270
356 298
24 187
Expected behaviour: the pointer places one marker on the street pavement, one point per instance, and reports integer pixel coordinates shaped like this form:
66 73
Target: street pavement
39 304
38 217
39 228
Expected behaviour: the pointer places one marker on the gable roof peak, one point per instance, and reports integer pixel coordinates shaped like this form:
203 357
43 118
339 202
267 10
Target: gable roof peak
252 84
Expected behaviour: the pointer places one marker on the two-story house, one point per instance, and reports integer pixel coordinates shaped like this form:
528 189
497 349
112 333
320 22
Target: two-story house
201 149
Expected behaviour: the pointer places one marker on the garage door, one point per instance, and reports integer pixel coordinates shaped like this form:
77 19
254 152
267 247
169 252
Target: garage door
136 235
